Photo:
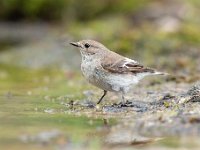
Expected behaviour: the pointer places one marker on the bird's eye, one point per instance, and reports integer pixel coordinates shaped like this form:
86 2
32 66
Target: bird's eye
87 45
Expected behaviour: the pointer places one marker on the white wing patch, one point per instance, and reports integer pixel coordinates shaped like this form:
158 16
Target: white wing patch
128 61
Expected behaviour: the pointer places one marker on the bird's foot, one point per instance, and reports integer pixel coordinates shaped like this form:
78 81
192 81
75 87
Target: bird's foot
124 104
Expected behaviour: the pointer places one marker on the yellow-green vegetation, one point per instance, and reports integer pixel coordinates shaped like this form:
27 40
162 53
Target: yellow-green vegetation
56 10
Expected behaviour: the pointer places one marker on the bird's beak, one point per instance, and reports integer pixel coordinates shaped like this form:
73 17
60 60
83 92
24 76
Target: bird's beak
75 44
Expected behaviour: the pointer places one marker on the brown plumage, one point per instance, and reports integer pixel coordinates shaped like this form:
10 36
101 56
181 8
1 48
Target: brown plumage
109 70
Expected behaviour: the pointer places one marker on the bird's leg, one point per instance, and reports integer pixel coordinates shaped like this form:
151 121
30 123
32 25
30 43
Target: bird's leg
122 98
123 91
104 94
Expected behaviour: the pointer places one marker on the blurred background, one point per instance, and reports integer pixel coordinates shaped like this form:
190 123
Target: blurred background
37 64
160 33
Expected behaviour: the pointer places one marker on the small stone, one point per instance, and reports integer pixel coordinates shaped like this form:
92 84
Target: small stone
194 120
87 103
168 96
184 100
97 107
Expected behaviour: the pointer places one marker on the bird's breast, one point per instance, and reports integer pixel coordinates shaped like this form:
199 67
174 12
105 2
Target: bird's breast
93 72
88 67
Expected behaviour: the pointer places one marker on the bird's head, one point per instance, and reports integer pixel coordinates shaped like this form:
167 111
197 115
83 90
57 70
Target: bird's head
89 47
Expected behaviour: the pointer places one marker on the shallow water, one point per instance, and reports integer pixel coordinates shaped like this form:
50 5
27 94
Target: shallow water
31 116
28 122
51 109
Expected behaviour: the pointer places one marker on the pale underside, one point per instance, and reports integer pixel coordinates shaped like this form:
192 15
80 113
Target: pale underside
114 77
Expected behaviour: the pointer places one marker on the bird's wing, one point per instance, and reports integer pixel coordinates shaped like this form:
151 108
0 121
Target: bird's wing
126 65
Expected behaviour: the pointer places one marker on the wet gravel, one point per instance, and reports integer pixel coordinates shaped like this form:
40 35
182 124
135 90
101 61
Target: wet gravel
149 115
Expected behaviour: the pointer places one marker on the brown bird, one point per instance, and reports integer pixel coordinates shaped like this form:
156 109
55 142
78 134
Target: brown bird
110 71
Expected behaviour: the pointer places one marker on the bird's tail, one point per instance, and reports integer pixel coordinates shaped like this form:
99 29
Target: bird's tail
161 73
155 72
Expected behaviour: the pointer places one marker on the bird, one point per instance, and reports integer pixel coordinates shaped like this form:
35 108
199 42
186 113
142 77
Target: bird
110 71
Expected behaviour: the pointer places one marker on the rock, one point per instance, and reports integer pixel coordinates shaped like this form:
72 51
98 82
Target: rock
194 92
86 103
